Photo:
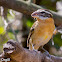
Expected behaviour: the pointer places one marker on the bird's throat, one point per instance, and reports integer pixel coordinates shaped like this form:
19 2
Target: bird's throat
48 20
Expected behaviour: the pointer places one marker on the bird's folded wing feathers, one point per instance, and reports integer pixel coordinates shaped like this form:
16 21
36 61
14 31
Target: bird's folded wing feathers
29 37
30 33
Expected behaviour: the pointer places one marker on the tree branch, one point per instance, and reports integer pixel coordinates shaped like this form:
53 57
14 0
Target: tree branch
16 53
27 8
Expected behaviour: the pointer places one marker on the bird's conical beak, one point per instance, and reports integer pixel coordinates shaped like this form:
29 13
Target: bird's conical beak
35 14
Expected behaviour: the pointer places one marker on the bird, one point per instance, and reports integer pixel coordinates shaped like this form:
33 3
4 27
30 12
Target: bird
42 30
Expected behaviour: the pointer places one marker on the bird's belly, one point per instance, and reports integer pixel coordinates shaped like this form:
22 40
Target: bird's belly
42 39
42 36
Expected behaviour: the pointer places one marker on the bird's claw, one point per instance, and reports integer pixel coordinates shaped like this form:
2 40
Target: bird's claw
47 54
36 51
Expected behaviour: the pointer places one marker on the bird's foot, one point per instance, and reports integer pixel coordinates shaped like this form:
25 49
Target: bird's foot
47 54
36 51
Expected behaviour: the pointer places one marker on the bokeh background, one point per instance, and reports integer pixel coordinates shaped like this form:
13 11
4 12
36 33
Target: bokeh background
15 25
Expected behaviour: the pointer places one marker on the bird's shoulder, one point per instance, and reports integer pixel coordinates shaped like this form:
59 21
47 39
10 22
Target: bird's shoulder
32 30
34 26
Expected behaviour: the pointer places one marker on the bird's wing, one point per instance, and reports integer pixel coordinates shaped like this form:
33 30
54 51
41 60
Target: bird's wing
30 33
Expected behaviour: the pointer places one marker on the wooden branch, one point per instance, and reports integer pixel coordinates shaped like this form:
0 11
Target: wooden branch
27 8
16 53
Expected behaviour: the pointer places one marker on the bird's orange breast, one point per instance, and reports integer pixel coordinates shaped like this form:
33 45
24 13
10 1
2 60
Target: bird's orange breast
43 32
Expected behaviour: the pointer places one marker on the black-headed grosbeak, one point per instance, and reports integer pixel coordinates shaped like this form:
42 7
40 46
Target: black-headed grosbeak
42 30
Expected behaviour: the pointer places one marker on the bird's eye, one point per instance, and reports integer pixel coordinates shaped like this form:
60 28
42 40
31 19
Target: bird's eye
48 15
42 12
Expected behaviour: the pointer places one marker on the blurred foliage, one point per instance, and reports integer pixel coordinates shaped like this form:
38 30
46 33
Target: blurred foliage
2 30
49 4
5 35
3 39
58 40
1 22
11 35
29 23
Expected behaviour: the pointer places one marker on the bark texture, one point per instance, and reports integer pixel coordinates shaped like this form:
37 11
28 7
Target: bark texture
16 53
